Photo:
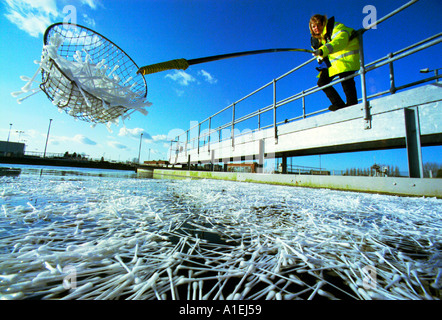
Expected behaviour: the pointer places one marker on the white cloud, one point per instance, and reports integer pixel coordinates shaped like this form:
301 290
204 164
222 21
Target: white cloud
91 3
117 145
48 7
179 93
32 16
79 138
208 77
160 138
83 140
181 77
134 133
88 21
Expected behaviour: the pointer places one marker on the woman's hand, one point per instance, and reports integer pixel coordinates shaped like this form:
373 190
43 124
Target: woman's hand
318 52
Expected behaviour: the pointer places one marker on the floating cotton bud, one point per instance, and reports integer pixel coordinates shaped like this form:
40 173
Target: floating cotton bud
395 280
34 91
270 295
101 63
16 93
77 56
27 87
25 78
128 80
12 296
8 278
326 294
113 70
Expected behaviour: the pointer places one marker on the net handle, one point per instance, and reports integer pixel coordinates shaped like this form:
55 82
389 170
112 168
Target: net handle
178 64
183 64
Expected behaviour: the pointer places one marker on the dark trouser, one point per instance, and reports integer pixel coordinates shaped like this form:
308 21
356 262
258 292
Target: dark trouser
349 87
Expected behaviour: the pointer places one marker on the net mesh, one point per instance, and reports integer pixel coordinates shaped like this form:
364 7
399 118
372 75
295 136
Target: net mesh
104 85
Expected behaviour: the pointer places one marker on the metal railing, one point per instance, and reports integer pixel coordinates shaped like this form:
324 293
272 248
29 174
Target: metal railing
184 142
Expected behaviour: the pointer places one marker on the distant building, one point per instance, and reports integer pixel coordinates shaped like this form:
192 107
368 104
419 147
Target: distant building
159 163
12 149
379 171
242 167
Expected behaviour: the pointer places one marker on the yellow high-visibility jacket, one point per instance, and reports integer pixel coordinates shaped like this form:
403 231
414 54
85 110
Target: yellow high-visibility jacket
342 53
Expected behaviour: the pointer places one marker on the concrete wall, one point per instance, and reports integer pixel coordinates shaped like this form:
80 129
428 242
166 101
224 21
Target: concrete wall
388 185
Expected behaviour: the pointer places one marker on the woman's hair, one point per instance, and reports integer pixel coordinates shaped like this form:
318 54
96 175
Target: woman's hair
319 20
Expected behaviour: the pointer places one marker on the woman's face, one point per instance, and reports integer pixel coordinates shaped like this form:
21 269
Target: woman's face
317 28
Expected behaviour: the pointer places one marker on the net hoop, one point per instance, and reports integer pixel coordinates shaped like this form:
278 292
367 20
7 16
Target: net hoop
80 102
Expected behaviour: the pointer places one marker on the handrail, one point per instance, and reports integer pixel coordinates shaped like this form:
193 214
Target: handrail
205 137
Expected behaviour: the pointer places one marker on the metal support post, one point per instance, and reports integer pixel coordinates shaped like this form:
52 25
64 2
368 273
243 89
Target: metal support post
187 141
284 164
303 104
171 152
261 156
413 142
232 134
198 141
392 84
210 133
367 115
212 160
275 129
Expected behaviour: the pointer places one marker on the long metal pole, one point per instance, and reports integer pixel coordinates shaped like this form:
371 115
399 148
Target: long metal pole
47 138
10 126
139 150
183 64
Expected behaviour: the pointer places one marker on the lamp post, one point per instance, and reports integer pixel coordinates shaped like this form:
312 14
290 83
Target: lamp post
19 134
47 138
427 70
139 151
9 134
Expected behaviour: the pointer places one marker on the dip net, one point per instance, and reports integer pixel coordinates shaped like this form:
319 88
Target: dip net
88 76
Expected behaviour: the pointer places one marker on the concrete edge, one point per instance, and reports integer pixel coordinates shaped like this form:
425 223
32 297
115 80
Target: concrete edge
414 187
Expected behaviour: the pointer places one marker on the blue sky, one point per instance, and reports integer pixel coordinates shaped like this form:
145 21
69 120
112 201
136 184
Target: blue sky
153 31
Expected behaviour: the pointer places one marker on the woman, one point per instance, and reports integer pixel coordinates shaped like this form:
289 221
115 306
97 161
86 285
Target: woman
338 55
